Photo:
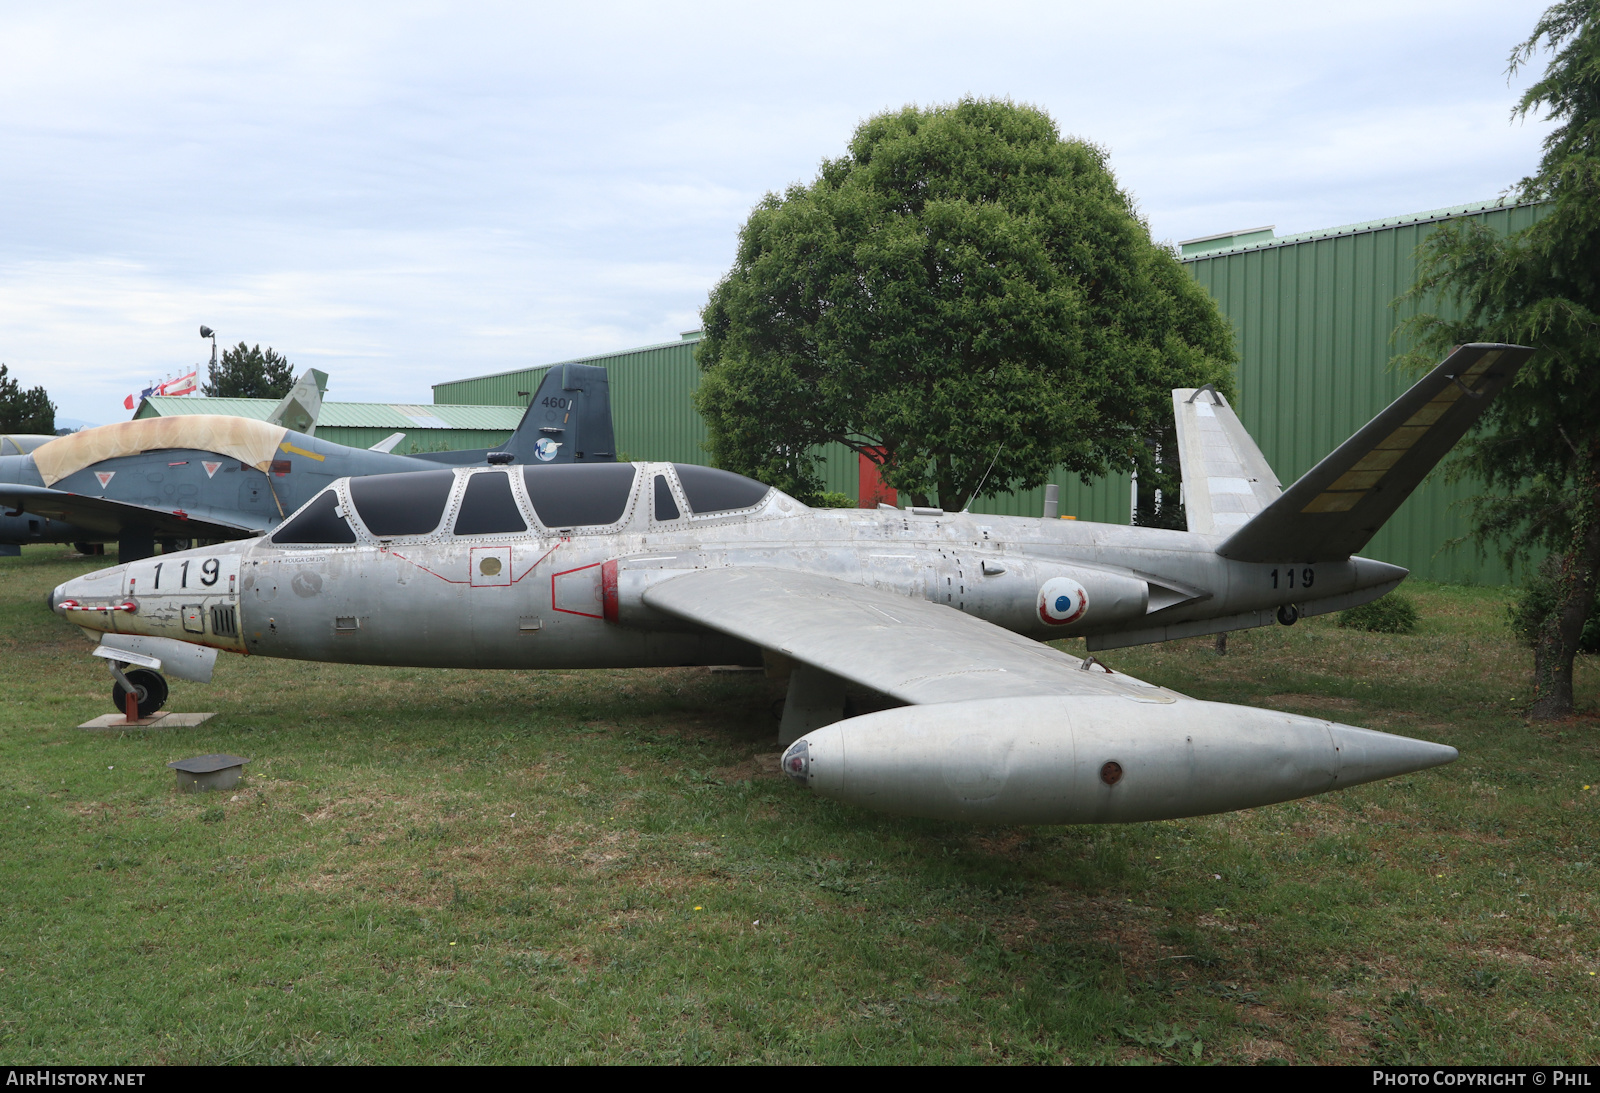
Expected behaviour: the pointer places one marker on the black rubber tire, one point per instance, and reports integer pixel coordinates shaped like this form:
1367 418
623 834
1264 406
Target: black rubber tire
150 687
1288 614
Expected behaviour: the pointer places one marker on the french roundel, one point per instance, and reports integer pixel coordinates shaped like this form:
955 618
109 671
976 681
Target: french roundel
1062 601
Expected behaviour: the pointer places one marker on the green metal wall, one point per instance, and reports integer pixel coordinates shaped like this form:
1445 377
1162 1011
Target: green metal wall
1314 325
650 405
416 440
1315 332
655 419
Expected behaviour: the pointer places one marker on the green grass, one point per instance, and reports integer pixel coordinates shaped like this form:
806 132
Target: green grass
431 866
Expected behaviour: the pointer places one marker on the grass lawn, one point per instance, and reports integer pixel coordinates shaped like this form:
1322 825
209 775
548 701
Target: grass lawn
432 866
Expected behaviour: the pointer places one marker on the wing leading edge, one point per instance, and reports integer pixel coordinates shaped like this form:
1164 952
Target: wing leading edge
913 650
108 517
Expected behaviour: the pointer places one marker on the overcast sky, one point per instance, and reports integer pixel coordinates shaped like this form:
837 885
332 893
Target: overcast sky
407 193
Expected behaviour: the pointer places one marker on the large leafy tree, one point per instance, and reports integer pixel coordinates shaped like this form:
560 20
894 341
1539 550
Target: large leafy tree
1539 447
965 298
29 411
249 372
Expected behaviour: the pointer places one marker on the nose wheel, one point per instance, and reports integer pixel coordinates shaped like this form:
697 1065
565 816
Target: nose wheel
149 690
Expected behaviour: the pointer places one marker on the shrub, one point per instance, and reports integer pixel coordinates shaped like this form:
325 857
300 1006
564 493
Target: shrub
832 500
1391 614
1537 600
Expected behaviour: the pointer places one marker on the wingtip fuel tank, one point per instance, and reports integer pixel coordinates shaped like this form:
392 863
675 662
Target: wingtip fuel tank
1091 759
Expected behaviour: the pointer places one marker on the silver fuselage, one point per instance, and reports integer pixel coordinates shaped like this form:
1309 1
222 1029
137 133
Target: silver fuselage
573 597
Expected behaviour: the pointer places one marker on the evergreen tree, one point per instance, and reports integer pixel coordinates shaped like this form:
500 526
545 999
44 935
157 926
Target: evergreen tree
29 411
249 372
1538 448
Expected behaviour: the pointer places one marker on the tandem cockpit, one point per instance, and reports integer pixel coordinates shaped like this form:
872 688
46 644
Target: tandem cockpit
574 499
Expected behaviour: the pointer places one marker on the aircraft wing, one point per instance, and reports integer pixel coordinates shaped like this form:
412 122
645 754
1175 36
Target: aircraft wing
107 517
913 650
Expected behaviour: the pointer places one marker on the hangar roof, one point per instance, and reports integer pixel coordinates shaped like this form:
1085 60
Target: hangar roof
1215 246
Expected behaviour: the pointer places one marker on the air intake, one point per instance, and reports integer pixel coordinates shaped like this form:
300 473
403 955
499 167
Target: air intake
224 623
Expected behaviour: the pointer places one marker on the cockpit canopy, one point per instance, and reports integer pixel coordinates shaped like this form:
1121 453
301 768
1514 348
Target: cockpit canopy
571 499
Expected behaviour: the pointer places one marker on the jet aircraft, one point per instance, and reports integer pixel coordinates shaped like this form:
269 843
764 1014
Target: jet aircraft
213 477
648 564
23 443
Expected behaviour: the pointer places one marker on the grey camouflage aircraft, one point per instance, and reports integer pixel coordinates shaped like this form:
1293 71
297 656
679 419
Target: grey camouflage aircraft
649 564
212 477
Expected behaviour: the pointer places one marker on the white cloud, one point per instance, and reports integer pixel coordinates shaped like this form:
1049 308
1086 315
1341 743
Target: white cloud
408 193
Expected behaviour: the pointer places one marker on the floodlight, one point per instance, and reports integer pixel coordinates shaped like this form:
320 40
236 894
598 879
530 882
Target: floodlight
207 332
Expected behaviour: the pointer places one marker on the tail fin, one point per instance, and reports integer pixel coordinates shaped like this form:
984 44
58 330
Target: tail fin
569 419
1338 506
1226 479
298 410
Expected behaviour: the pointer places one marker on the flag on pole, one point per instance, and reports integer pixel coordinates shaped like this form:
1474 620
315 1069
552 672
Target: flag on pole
183 385
132 401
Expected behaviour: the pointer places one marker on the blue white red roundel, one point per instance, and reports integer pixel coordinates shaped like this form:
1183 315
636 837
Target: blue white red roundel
1062 601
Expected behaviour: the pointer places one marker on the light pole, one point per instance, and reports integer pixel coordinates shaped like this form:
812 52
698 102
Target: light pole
207 332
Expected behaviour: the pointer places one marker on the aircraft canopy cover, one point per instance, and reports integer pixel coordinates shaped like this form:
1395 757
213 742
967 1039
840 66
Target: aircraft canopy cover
248 441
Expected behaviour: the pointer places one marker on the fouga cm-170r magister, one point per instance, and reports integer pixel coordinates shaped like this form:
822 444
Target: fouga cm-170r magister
650 564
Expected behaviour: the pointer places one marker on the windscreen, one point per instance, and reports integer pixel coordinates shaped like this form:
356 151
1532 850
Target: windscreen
579 494
711 490
318 522
410 503
488 507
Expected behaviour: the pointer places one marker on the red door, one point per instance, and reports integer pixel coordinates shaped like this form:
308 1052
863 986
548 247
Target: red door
872 489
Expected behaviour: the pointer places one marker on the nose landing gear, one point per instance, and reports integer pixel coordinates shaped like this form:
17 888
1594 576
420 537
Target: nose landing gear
147 688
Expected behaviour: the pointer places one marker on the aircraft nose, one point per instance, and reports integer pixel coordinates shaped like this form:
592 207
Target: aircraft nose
53 597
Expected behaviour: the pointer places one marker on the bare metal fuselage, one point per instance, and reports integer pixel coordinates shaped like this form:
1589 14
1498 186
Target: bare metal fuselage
569 598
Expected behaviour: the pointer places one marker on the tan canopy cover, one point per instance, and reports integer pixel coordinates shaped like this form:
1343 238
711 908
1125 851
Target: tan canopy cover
241 438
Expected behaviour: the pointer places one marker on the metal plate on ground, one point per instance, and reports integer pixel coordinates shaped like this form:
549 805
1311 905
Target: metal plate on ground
115 722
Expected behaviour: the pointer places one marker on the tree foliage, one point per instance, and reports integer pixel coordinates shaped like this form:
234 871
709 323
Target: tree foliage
1538 448
249 372
1536 603
963 297
29 411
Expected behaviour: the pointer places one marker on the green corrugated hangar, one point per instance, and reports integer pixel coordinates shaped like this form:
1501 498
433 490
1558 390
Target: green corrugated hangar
363 424
1314 325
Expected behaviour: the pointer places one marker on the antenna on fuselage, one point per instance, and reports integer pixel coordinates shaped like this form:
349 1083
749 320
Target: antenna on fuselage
979 491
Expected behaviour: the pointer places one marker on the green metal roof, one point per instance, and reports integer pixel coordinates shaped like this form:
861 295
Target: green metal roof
686 336
1225 240
364 415
1348 229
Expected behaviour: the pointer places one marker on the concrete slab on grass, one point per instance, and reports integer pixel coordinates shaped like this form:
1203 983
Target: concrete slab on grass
115 722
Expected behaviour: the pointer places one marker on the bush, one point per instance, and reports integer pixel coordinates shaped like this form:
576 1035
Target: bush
1535 603
1391 614
832 500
